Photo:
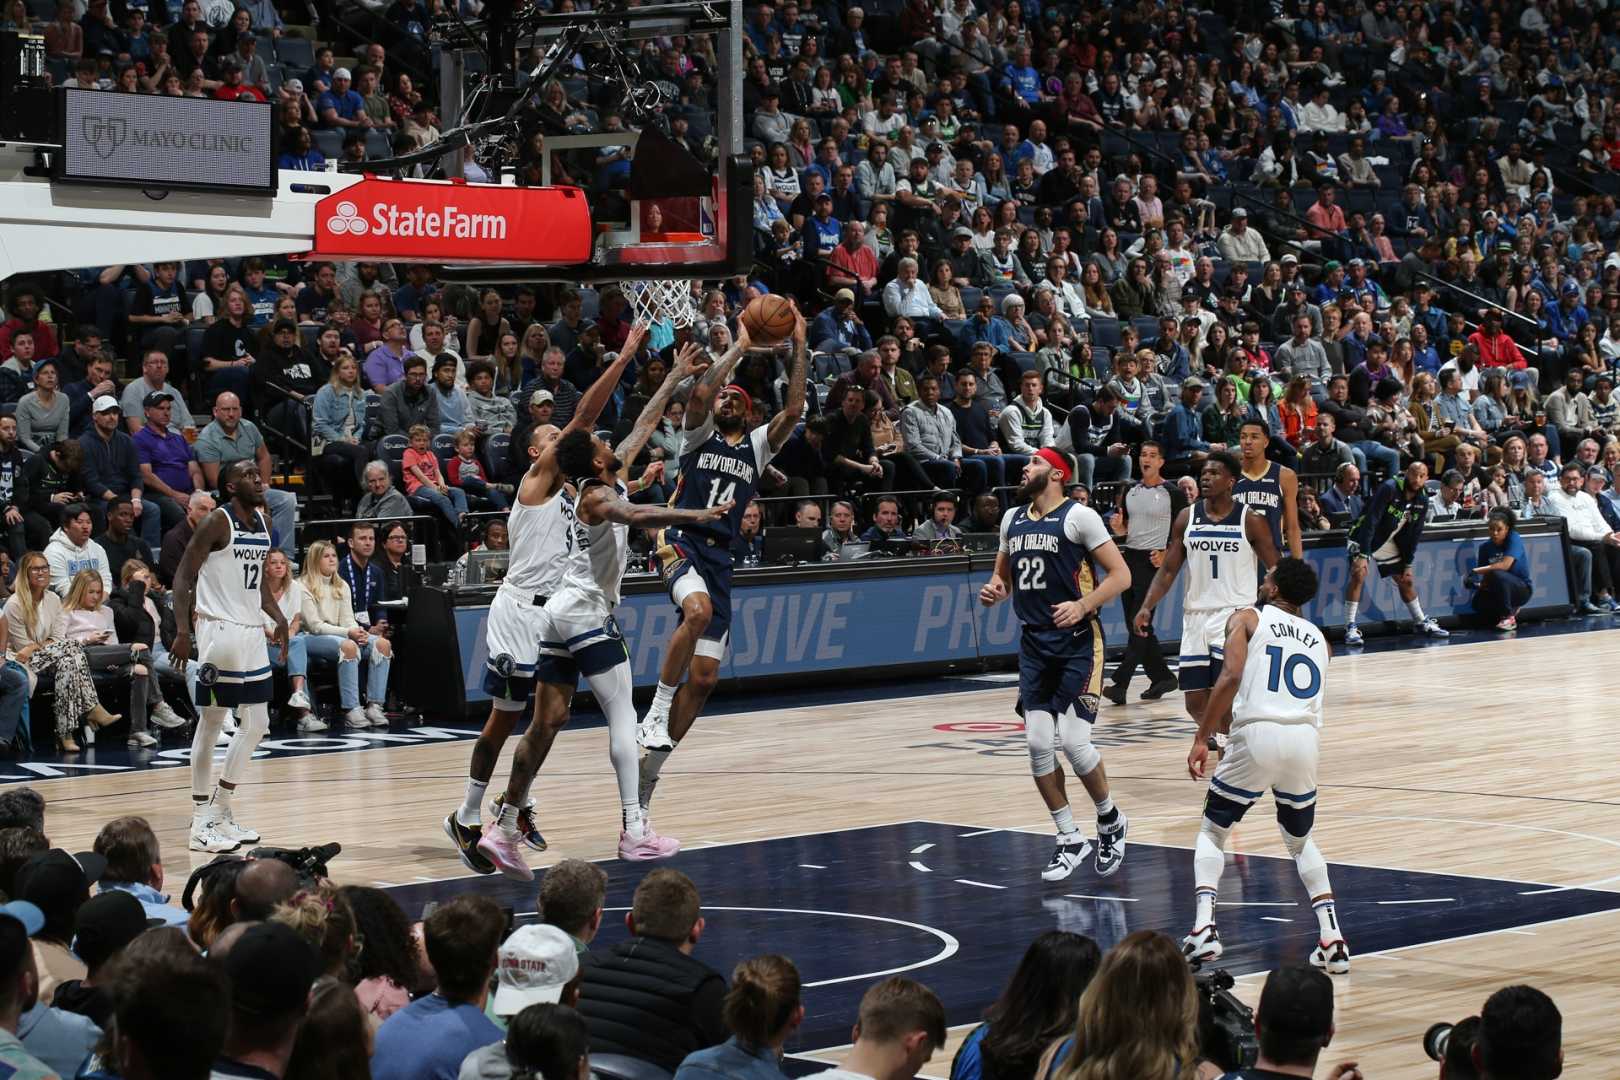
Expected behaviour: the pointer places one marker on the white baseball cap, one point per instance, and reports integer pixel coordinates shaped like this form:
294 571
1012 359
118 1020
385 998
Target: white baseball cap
536 962
103 403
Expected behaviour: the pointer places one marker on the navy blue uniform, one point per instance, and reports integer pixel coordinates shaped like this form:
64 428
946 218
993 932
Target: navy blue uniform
714 470
1265 497
1049 560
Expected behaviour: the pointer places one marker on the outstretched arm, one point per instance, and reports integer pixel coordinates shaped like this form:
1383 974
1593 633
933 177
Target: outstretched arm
596 398
1175 553
687 364
213 534
782 425
718 375
603 504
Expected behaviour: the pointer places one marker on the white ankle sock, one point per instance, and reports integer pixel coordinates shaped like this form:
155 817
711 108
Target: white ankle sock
469 813
1415 606
663 697
1206 909
1327 920
222 798
635 822
1351 609
1063 818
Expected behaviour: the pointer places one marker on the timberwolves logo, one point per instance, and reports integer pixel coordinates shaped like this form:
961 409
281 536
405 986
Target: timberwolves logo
105 134
503 665
207 674
611 629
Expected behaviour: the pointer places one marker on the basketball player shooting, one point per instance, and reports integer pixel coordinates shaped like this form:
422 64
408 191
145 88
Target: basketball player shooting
1049 550
221 588
721 462
1273 684
1218 539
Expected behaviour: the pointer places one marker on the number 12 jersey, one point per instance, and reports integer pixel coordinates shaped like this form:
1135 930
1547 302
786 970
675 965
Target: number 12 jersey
228 583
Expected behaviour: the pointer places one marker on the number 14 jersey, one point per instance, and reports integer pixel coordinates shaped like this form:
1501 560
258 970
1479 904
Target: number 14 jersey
715 470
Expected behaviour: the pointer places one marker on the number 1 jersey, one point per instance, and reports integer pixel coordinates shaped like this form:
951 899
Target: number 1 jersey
1049 558
715 470
228 583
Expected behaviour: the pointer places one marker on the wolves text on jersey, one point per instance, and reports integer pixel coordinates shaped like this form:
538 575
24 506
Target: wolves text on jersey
1214 544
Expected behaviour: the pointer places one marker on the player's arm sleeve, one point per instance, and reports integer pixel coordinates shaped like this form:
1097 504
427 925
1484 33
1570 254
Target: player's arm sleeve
761 439
1083 525
1006 523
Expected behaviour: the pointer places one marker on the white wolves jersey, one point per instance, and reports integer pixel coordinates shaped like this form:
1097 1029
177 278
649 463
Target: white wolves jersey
1220 562
607 554
228 583
1286 673
715 470
542 543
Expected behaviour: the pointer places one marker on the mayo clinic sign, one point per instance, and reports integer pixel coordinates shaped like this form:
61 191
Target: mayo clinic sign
155 141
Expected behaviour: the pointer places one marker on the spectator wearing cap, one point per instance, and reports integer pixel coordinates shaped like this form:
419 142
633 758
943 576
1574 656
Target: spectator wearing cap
649 997
112 470
58 884
1239 243
154 379
1184 442
19 988
537 965
1565 318
839 327
1496 349
287 375
341 107
271 970
432 1036
135 866
541 410
42 413
169 470
234 84
106 924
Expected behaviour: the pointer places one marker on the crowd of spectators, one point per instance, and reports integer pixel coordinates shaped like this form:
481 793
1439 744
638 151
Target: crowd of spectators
268 971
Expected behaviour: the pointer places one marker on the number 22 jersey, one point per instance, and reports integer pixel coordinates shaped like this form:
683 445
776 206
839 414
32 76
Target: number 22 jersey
715 470
1049 558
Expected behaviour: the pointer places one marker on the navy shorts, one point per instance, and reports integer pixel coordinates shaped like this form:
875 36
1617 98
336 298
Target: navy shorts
680 556
1060 670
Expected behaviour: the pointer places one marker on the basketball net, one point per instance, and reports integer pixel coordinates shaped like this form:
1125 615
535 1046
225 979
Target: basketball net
657 301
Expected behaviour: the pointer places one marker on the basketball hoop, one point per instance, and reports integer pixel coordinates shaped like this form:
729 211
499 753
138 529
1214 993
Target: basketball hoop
656 301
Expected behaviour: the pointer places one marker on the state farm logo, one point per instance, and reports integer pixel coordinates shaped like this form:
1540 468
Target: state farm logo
346 220
386 219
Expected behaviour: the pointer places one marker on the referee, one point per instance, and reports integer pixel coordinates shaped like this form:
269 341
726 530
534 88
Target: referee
1146 511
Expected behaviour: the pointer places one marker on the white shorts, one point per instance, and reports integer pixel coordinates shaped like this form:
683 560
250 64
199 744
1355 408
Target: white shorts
233 664
1203 643
525 642
1262 756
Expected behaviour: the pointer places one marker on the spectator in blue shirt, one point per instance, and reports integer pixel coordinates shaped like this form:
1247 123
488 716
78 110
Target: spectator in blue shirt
341 107
1020 80
301 154
1183 434
839 328
1501 575
762 1011
430 1037
986 325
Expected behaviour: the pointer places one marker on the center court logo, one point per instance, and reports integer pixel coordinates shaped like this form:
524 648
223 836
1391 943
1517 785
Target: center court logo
388 220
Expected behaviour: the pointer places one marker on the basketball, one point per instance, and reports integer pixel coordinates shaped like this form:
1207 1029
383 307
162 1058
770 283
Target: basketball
769 319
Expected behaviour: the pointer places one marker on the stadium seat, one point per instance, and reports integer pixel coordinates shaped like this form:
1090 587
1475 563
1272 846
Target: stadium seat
378 145
373 413
496 448
328 142
444 448
1105 332
297 54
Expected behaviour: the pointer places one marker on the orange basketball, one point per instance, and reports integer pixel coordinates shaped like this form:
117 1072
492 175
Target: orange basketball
769 319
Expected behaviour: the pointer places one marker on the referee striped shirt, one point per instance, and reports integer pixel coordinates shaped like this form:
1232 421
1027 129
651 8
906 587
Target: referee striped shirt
1149 512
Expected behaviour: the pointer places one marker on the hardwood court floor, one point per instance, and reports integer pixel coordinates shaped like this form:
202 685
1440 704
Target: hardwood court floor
1491 759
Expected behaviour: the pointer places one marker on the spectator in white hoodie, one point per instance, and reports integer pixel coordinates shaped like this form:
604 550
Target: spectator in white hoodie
1026 422
72 550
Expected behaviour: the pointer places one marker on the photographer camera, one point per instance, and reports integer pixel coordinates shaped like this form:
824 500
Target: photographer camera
1452 1045
1294 1024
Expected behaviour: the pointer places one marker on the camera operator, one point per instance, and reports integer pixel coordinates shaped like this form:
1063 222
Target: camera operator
1294 1025
1452 1045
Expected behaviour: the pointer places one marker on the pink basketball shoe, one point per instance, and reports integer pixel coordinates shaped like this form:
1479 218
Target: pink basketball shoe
502 847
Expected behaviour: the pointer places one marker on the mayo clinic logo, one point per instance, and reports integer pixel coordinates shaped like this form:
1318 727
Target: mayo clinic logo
105 134
346 220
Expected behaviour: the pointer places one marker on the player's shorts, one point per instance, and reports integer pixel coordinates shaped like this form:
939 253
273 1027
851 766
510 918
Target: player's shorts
1203 643
1264 755
512 634
1387 568
689 564
233 664
578 638
1060 670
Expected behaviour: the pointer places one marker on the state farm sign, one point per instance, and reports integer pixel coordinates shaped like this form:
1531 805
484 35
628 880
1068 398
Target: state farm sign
423 221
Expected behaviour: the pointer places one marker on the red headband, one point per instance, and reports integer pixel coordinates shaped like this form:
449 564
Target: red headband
747 398
1059 463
